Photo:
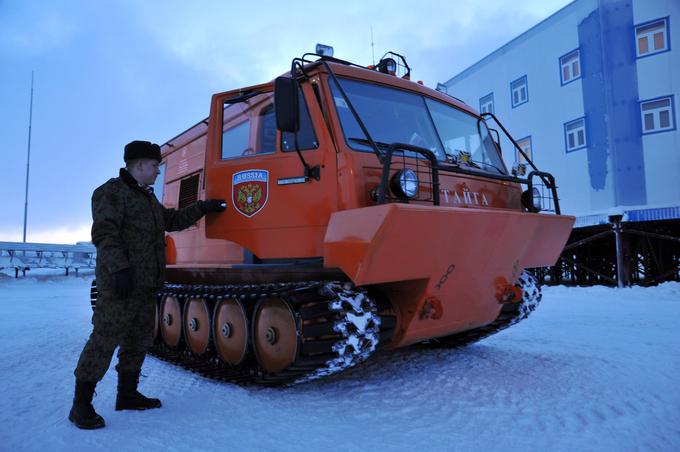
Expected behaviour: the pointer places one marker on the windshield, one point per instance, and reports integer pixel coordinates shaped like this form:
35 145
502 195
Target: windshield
396 116
462 132
390 115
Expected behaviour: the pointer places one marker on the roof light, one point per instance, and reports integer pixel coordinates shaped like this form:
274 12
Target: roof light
387 66
324 50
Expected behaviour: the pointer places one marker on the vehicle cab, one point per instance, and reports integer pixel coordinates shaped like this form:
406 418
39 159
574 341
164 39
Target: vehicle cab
355 137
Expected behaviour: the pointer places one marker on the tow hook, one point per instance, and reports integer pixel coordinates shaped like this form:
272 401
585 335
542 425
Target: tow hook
507 293
432 309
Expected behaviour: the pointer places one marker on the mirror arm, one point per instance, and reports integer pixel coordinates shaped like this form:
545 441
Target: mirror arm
287 96
310 172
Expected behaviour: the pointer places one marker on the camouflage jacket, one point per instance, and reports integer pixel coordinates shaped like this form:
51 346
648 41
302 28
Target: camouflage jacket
128 230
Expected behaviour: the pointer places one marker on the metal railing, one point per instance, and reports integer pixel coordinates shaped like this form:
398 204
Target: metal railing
25 256
387 163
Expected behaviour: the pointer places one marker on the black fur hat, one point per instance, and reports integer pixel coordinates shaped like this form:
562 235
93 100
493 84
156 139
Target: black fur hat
142 150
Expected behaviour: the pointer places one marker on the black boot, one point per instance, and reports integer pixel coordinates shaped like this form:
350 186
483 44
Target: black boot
82 413
129 398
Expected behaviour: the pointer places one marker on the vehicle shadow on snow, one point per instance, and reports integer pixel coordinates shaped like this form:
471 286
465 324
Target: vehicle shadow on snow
481 367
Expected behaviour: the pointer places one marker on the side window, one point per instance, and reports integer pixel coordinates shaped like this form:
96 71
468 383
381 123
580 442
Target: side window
570 67
160 182
249 126
306 138
575 134
651 37
266 136
235 140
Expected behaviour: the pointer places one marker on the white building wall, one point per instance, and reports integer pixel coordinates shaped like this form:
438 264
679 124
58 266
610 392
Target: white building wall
536 54
658 75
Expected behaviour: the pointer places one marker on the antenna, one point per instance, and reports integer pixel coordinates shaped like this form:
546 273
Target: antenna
372 46
28 160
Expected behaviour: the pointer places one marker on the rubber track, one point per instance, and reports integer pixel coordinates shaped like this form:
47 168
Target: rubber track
510 314
322 310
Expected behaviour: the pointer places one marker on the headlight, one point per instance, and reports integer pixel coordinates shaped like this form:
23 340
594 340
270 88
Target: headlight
405 183
532 201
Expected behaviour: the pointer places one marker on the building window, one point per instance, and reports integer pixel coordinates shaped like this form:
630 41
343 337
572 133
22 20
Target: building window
570 67
657 115
652 37
486 104
525 145
575 134
519 91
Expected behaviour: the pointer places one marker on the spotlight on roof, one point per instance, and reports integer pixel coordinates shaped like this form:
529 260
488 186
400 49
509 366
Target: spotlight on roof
324 50
387 66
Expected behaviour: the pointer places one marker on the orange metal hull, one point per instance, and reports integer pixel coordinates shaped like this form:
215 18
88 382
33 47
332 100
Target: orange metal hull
442 267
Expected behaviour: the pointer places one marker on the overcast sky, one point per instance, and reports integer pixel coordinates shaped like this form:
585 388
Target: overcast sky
109 72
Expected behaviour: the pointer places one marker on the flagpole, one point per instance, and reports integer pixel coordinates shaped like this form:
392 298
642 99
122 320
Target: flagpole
28 160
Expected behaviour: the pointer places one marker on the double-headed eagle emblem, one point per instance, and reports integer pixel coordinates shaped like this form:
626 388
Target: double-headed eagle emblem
248 198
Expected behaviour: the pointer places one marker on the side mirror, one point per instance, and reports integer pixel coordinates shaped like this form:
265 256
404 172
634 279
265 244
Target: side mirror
286 104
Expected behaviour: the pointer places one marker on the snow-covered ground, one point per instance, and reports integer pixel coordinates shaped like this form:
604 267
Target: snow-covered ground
591 369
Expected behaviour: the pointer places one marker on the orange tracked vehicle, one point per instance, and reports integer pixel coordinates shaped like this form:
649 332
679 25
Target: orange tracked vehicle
365 211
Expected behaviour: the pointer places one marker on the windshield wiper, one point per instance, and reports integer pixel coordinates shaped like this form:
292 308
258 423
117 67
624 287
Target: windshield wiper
380 144
242 97
477 164
474 163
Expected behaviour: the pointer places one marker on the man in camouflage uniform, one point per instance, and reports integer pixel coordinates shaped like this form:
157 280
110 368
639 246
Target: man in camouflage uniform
128 230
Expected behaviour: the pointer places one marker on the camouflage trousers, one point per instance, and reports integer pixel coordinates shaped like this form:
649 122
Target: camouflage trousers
125 323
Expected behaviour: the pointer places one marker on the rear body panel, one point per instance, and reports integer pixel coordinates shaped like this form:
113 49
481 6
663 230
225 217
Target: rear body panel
184 157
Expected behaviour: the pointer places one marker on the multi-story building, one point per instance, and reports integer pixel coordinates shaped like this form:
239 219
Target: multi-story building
591 94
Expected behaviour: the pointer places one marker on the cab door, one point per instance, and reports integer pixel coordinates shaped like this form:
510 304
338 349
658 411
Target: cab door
273 210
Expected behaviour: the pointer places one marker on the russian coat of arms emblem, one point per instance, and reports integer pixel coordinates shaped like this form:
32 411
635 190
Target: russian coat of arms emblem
249 191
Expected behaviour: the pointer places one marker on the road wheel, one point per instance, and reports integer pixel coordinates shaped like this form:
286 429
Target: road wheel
275 334
197 325
230 331
171 321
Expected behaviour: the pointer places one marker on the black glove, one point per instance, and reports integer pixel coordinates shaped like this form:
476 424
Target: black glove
212 205
122 283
